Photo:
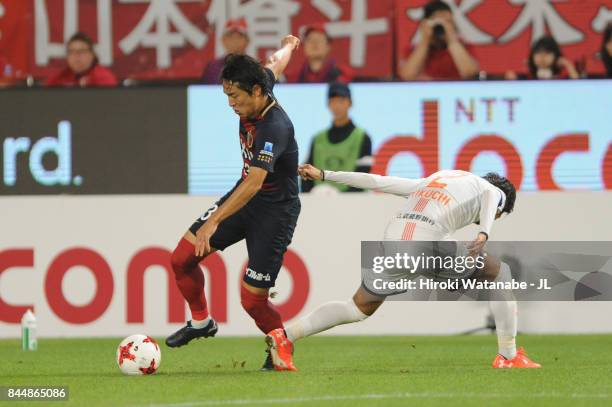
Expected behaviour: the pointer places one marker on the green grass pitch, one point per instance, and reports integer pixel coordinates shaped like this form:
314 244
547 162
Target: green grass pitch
334 371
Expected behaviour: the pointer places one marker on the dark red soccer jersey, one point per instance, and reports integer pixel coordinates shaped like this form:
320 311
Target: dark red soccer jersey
268 142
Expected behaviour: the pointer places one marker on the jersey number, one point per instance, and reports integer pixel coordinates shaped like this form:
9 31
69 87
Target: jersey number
441 185
209 212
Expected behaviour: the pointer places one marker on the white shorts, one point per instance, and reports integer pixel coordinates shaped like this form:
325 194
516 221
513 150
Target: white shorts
402 230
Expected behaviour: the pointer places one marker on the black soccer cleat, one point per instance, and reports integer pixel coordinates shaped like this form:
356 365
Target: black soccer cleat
268 365
184 335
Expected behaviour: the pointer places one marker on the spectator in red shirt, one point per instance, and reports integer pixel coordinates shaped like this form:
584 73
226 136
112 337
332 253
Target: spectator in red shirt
547 62
82 66
319 66
440 53
606 50
235 40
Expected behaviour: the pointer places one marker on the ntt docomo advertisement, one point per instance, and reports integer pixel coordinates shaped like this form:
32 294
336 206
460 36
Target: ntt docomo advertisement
544 135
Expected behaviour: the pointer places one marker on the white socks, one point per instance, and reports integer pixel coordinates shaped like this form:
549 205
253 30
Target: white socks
502 304
323 318
200 324
503 307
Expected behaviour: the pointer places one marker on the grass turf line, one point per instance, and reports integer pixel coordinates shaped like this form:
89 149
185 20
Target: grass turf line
334 371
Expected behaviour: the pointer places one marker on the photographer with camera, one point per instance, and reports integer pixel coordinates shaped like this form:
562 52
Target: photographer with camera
440 54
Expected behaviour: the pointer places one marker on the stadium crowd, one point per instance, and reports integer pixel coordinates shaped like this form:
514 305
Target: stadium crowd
440 53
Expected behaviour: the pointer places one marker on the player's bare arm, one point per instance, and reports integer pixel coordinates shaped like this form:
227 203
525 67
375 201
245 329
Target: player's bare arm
243 194
278 61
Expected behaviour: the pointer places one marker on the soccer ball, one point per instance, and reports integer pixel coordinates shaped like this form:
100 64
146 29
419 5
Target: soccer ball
138 355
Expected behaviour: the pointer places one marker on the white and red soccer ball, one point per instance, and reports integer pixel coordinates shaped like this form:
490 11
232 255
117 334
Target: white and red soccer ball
138 355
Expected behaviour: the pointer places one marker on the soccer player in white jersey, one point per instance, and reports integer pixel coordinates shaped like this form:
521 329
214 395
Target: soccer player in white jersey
446 201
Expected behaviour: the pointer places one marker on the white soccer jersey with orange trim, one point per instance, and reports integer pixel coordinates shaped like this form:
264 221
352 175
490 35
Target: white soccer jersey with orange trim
436 206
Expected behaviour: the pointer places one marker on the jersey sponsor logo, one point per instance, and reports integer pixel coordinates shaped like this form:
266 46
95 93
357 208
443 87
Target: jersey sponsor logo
247 154
416 216
264 158
257 276
266 154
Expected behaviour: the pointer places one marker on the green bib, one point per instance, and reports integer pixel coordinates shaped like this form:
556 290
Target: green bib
341 156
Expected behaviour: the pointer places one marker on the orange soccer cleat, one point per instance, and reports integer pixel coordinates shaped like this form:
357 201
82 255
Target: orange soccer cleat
281 350
520 361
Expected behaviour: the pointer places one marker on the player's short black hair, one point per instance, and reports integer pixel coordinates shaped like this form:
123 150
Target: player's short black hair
505 185
546 44
245 72
434 6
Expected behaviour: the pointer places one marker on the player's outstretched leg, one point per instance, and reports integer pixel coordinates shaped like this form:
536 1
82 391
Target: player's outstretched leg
190 281
280 341
504 309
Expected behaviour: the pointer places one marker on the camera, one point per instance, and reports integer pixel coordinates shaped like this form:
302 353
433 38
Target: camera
438 31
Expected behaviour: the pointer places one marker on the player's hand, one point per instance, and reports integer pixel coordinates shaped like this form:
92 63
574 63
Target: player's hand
203 235
291 40
476 245
310 172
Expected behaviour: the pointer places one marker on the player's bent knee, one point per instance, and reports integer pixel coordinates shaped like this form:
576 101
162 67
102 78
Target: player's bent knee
491 269
183 256
251 301
179 258
176 260
365 302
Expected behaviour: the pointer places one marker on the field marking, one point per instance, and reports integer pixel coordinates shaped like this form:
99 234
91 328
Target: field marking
238 402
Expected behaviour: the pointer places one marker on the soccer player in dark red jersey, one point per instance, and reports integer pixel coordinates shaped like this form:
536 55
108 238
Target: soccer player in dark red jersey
263 206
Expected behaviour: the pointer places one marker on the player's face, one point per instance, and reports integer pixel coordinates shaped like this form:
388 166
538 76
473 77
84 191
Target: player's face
239 100
79 56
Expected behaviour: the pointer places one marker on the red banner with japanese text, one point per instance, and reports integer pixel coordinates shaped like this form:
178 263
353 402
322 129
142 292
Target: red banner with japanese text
500 32
14 39
170 39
